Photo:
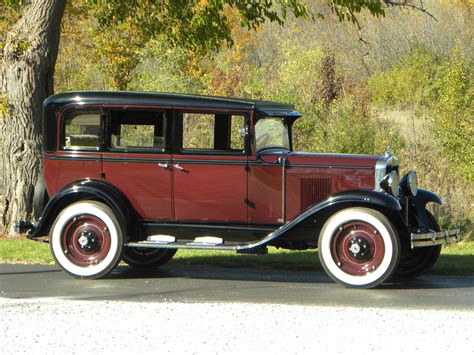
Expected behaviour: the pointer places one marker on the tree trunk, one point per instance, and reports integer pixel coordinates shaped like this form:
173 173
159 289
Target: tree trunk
29 57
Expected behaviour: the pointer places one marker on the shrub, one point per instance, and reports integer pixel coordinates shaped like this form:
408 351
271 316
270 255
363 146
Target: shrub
406 82
452 94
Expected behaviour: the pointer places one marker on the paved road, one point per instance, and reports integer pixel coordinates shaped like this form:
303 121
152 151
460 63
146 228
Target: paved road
223 285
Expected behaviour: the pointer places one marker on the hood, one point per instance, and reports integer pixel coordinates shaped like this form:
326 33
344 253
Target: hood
323 159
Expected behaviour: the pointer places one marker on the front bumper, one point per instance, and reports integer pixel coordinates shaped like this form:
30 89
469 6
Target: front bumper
434 238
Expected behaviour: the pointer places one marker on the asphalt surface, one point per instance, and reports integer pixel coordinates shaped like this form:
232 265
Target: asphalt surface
224 285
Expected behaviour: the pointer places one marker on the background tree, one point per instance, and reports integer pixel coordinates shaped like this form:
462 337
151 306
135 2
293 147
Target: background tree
30 49
29 56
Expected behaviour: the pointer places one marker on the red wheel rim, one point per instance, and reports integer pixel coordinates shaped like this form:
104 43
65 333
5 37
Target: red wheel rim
86 240
357 248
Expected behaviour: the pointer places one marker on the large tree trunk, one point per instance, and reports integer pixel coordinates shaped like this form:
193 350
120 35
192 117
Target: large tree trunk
29 57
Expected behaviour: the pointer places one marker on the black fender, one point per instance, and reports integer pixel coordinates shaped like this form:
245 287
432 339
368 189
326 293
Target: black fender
315 216
40 196
419 202
88 189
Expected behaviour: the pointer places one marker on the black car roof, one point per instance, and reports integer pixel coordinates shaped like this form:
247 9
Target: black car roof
269 108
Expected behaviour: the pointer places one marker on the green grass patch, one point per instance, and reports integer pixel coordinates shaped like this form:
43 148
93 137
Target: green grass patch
22 250
457 259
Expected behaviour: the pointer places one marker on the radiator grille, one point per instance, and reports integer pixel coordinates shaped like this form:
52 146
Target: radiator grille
314 190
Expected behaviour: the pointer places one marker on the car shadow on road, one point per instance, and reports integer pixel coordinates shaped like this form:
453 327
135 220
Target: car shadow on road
28 272
220 273
200 272
269 275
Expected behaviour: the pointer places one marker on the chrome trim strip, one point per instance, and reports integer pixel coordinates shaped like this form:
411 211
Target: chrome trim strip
291 165
176 161
283 188
381 167
210 161
434 238
109 159
380 171
72 157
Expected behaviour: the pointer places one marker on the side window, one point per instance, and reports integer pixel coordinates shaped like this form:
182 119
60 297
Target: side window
139 130
198 131
237 132
82 130
213 132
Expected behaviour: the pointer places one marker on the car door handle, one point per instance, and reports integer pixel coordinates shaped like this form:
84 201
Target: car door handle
179 167
164 165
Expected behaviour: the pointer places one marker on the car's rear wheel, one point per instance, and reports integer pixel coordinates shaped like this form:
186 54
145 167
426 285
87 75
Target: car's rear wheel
417 261
359 247
147 257
86 239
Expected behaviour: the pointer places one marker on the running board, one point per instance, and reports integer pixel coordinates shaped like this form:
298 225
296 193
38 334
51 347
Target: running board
200 244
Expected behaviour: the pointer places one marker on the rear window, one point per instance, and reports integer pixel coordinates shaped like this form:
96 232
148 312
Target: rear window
82 130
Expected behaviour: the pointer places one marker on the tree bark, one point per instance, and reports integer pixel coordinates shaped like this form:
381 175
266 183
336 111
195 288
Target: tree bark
29 57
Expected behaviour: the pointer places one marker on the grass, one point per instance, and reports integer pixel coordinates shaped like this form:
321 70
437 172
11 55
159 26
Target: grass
455 260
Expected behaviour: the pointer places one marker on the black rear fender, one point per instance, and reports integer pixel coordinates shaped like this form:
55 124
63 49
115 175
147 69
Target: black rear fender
88 189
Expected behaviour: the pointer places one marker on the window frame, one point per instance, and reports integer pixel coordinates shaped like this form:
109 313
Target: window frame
168 130
179 141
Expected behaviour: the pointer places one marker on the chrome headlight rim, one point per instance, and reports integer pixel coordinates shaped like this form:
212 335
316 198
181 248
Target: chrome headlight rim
409 184
390 183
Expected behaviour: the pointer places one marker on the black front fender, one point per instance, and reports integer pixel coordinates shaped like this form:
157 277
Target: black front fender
87 189
419 202
315 216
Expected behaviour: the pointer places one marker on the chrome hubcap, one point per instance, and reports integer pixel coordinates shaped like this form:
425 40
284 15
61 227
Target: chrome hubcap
87 240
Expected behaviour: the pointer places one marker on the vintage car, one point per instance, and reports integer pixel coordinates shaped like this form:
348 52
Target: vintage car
136 176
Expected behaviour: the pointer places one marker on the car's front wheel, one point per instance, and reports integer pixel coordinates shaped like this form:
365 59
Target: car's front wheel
86 239
416 261
359 247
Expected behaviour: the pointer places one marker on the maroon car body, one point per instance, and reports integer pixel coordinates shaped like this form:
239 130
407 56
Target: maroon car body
136 176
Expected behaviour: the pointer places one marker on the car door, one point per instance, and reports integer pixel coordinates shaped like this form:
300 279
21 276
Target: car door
78 155
270 145
210 167
137 159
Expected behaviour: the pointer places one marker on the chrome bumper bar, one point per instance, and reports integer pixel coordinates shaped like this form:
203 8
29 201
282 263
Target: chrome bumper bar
434 238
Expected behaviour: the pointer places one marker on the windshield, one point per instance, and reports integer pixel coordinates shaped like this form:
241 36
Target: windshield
271 132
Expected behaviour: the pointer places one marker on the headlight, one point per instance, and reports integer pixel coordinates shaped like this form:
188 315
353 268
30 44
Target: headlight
409 184
389 183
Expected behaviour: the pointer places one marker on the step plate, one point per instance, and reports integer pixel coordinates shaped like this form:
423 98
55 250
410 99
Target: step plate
186 245
207 241
161 238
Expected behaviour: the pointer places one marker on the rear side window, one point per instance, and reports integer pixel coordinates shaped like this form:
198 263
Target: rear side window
82 130
138 130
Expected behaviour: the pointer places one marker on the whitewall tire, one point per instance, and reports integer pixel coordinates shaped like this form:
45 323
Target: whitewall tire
359 247
86 239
